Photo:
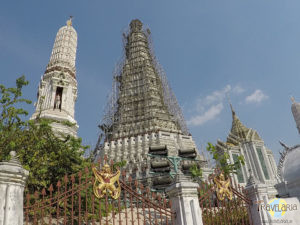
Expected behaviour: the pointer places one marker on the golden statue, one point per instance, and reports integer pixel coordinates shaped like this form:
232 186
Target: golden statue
223 187
105 182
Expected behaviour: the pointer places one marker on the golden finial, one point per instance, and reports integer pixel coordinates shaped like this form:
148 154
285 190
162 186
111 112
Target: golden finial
69 21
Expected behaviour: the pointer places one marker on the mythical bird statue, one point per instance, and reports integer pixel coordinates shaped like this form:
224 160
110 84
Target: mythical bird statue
105 182
223 187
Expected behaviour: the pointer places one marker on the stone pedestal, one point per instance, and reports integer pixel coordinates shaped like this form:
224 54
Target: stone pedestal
12 182
185 203
258 193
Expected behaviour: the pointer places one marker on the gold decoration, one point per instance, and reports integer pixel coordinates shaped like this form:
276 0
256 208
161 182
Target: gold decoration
105 182
223 187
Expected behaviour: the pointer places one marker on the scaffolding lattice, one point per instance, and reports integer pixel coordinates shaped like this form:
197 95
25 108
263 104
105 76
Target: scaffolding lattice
110 114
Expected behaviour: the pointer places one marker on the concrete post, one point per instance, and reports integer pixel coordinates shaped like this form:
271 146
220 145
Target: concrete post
12 181
185 202
258 193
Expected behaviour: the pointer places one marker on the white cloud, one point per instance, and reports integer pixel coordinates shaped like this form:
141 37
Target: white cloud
209 107
256 97
210 114
216 95
238 90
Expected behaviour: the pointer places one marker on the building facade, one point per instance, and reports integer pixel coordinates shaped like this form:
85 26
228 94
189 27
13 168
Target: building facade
57 91
259 160
143 123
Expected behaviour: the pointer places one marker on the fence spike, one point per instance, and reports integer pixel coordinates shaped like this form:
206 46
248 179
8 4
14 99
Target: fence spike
58 184
50 188
36 194
44 192
72 178
66 179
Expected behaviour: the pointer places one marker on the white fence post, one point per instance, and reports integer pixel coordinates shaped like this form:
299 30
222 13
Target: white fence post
12 181
185 202
257 192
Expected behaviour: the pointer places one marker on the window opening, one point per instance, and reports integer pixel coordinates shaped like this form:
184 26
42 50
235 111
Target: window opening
58 98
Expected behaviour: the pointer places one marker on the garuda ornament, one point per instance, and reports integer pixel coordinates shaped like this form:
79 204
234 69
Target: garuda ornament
106 182
223 187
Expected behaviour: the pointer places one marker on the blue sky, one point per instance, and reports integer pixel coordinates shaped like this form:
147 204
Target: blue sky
248 49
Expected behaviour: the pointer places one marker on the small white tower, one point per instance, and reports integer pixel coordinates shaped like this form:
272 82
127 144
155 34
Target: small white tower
57 90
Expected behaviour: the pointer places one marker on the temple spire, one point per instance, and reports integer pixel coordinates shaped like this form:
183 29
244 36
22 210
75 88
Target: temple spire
57 91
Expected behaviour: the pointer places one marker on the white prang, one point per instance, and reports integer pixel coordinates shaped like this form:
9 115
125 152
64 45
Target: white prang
57 92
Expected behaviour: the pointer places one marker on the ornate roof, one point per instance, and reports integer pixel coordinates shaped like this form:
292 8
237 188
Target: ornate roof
239 132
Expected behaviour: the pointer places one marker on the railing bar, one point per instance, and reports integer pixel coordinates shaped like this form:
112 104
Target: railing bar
143 208
224 206
57 205
51 195
125 203
137 203
155 215
131 205
106 208
113 211
72 201
214 196
210 199
160 212
86 198
93 209
100 213
79 198
119 210
236 209
149 210
65 205
35 210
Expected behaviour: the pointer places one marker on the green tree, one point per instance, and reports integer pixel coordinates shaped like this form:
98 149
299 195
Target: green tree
222 160
196 172
47 156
